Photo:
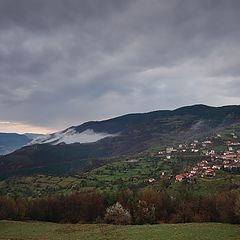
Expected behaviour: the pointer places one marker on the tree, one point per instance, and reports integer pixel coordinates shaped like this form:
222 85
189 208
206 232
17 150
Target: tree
116 214
159 200
225 203
145 213
237 207
8 208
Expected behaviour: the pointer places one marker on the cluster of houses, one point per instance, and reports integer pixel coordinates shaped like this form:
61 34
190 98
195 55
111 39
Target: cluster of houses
228 160
204 168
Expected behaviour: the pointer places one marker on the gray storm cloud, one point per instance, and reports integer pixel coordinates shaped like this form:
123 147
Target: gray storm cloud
63 62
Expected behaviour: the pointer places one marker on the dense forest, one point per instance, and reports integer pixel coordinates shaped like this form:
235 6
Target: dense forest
125 207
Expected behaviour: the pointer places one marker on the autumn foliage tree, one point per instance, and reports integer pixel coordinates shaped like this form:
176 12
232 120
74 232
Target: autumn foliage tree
146 206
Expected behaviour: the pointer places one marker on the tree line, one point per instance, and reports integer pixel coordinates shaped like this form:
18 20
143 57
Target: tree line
146 206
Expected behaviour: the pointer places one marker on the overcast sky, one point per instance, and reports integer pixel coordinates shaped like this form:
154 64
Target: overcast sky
64 62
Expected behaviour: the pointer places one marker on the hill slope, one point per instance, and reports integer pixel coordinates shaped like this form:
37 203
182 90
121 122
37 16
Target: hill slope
126 134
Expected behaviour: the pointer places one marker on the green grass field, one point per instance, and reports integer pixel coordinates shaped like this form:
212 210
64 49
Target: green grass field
50 231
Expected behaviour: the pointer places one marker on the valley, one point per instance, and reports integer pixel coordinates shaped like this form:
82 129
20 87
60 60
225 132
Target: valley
120 120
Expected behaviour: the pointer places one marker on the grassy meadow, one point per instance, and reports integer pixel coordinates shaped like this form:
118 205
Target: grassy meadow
50 231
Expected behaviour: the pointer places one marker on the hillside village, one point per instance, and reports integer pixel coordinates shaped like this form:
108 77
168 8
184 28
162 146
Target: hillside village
198 161
226 158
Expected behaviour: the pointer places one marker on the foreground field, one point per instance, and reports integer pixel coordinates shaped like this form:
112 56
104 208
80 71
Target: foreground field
49 231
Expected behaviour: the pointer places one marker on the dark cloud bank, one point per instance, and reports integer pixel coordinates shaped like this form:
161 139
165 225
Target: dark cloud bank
63 62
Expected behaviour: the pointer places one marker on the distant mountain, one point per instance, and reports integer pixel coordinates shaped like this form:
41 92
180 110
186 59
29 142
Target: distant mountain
10 142
33 136
93 143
